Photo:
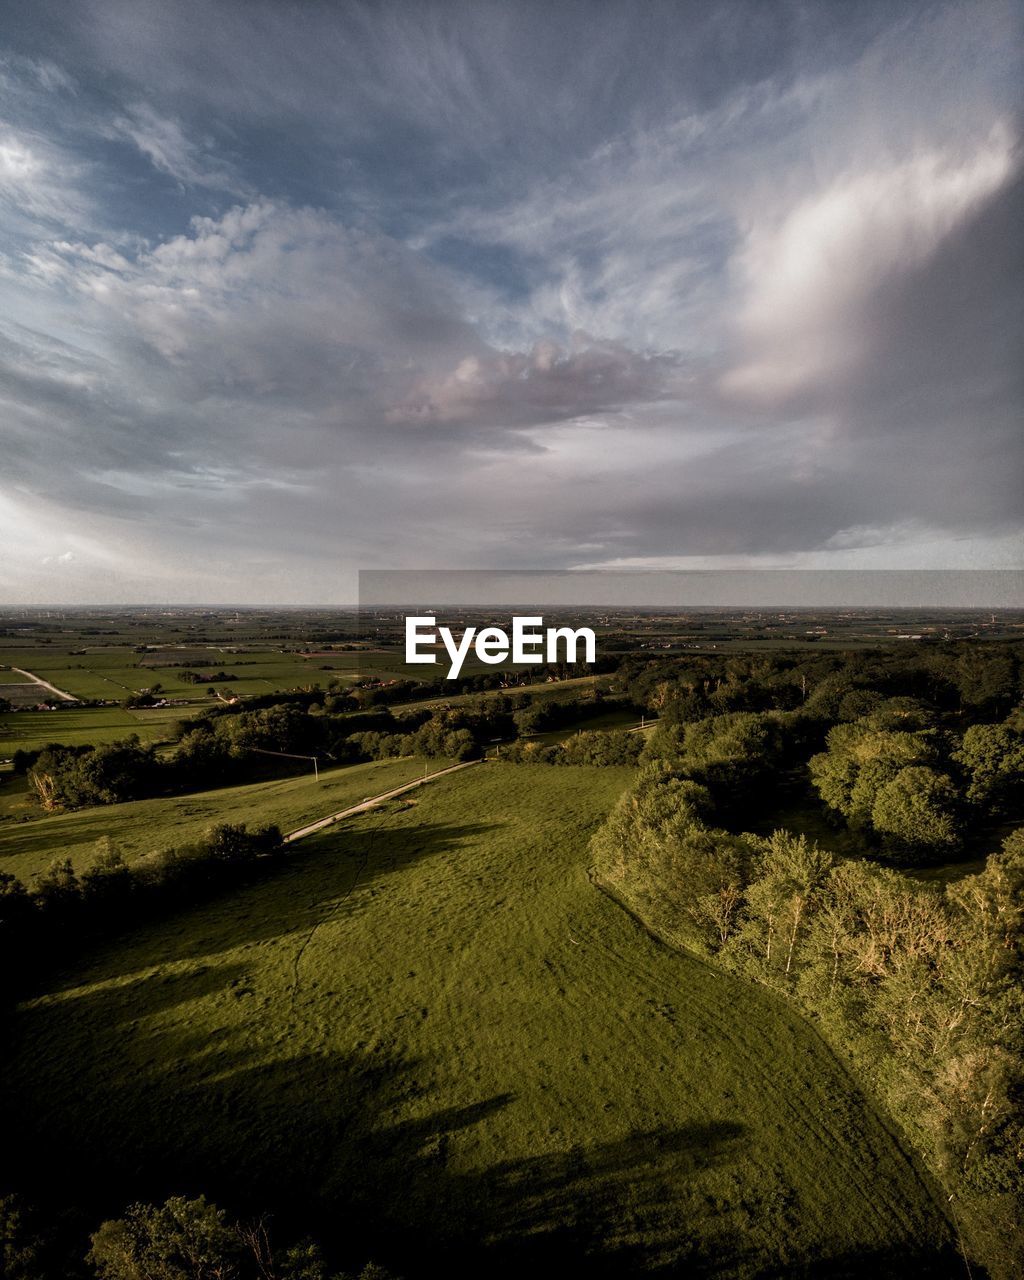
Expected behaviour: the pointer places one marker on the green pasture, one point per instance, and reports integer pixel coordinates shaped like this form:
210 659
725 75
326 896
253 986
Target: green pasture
29 843
77 726
115 672
615 718
429 1039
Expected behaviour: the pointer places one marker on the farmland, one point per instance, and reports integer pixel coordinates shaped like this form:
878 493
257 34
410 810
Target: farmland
430 1030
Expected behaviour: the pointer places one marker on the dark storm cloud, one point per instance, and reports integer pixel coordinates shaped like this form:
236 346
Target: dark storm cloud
504 283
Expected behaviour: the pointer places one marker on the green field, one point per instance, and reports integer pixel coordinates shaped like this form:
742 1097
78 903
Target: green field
29 845
114 672
429 1039
76 726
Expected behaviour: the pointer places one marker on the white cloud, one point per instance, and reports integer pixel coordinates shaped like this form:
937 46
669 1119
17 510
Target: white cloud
809 270
164 142
39 182
269 302
510 317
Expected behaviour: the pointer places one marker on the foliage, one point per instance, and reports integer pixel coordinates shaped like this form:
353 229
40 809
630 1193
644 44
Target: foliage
62 907
992 756
916 810
67 777
178 1240
884 775
924 987
606 748
732 754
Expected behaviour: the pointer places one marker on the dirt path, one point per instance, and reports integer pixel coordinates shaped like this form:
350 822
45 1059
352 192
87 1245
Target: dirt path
319 825
61 693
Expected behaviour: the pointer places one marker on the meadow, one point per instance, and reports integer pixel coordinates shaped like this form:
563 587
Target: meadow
28 845
115 672
428 1038
77 726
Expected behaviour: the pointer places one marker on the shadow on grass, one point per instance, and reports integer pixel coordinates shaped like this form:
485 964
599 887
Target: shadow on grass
325 879
333 1146
326 1142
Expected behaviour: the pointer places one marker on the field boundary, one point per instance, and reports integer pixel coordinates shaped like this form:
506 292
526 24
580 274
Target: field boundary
61 693
310 828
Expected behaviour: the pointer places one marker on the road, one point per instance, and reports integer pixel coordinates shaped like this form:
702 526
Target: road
319 825
61 693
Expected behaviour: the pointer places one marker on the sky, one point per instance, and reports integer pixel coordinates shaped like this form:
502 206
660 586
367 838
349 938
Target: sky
293 290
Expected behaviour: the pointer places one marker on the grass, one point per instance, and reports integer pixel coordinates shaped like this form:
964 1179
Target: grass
429 1039
30 730
613 719
115 672
28 846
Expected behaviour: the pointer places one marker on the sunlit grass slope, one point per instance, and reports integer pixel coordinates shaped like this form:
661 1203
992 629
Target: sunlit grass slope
28 847
430 1039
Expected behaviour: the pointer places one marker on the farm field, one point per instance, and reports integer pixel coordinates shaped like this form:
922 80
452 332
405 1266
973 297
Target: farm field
27 847
112 673
116 672
75 726
428 1037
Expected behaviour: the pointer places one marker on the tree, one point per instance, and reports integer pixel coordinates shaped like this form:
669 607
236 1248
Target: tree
863 759
790 872
15 904
22 1248
108 879
107 774
987 679
57 890
179 1240
916 811
992 755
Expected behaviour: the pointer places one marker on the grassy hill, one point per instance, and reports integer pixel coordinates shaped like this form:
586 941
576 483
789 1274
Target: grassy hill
429 1039
29 846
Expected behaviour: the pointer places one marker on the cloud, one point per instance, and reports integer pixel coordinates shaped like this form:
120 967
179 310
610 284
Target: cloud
810 273
469 285
38 182
543 385
288 306
163 142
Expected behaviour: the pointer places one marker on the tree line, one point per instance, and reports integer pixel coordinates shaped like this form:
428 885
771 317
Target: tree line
64 908
228 745
922 983
181 1239
971 680
601 747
